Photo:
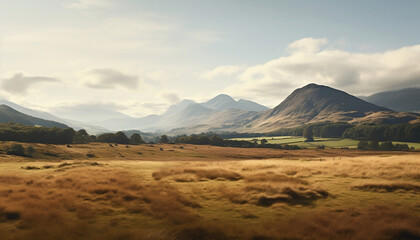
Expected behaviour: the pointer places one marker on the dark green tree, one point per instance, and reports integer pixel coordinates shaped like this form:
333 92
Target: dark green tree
373 145
363 145
136 139
81 136
164 139
387 146
121 138
308 134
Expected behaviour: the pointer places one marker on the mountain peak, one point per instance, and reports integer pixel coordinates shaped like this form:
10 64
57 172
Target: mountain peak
316 103
223 102
222 97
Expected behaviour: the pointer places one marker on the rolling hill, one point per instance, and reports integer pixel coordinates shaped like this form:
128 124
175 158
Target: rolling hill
404 100
8 114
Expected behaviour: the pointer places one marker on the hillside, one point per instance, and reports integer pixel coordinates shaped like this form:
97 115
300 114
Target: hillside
8 114
317 103
76 125
404 100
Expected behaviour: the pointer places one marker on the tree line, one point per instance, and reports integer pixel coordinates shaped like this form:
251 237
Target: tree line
34 134
215 140
369 132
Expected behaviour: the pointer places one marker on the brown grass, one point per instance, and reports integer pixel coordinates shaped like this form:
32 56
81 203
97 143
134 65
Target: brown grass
80 197
378 222
194 174
121 197
266 189
388 186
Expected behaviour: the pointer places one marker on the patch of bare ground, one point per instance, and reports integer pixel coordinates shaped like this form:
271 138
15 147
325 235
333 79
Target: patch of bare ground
266 189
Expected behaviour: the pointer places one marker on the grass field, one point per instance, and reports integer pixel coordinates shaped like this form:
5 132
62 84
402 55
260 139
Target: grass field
205 192
327 142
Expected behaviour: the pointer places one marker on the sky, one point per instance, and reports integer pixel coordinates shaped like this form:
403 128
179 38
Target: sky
138 57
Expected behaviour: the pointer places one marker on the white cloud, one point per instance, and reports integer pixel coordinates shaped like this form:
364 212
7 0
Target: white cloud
221 72
19 83
86 4
357 73
306 45
107 78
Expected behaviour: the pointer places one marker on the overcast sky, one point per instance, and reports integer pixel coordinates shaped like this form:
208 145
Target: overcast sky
141 56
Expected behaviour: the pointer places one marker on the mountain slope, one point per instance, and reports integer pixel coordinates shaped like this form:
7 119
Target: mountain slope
8 114
92 129
317 103
404 100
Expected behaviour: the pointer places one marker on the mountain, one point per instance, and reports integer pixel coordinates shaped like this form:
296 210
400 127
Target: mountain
8 114
89 113
404 100
224 102
222 110
317 103
47 116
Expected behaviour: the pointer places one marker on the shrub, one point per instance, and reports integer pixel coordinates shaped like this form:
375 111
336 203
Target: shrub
30 151
373 145
386 146
363 145
16 149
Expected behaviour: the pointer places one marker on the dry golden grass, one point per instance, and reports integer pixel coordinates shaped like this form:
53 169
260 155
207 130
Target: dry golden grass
84 195
195 174
203 192
389 186
269 188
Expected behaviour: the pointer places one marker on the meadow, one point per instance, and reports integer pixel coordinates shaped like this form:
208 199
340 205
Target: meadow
171 191
327 142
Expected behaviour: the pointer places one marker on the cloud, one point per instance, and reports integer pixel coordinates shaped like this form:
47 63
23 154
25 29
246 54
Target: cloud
356 73
106 78
170 97
222 71
86 4
306 45
19 83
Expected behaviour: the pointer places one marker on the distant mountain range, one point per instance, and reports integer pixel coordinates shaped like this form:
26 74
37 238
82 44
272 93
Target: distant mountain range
310 104
405 100
221 109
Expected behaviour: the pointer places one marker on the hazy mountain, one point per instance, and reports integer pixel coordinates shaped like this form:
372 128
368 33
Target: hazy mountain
47 116
221 110
89 113
224 102
405 100
8 114
317 103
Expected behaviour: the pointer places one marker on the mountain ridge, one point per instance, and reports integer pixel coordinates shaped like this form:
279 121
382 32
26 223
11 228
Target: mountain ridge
403 100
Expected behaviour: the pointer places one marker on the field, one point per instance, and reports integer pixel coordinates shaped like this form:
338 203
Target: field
102 191
327 142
